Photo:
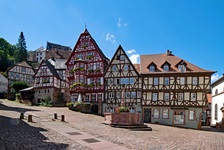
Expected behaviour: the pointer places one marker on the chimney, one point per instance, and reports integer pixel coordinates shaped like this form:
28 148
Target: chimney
168 53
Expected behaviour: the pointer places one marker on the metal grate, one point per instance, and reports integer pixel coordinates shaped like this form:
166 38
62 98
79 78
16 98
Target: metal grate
74 133
90 140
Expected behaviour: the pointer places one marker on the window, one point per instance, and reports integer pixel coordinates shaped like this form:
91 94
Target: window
99 97
193 96
122 57
98 80
166 81
167 96
133 94
179 117
110 81
23 69
87 98
132 110
181 68
180 96
182 80
128 94
195 81
114 68
156 81
166 67
165 113
154 96
117 81
216 112
126 80
94 97
122 80
118 95
156 113
139 94
152 68
216 91
191 114
111 94
110 109
132 80
126 67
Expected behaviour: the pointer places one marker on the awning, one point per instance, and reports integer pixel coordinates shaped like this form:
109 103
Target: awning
27 89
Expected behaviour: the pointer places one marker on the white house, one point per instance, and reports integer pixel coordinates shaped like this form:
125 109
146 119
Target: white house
3 84
217 100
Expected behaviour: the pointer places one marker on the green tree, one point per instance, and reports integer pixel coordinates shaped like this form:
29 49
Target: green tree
4 52
21 51
19 86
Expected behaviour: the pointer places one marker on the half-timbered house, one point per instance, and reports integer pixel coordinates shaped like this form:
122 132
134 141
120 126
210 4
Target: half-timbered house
86 66
50 81
174 90
3 86
122 84
19 72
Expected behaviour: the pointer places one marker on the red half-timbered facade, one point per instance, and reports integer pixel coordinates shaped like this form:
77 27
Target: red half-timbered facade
50 80
86 66
19 72
174 90
122 84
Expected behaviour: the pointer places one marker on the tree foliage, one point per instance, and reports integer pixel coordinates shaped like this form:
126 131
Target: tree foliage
6 54
19 86
21 51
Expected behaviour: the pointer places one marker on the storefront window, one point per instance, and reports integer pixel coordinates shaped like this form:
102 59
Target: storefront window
179 117
165 113
156 113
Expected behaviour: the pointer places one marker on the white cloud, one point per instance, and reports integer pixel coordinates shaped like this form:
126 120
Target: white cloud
215 77
119 22
110 37
133 56
131 51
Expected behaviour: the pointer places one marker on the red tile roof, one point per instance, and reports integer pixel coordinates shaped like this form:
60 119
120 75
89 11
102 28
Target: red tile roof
160 59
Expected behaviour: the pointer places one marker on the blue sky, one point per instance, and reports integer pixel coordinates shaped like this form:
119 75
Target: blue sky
192 30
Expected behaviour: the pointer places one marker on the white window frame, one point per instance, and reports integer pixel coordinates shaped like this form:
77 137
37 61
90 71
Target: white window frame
121 57
166 81
133 94
195 81
126 80
132 80
126 67
166 96
154 96
155 81
111 94
193 97
128 94
152 68
166 68
182 80
118 94
114 68
182 68
156 113
180 96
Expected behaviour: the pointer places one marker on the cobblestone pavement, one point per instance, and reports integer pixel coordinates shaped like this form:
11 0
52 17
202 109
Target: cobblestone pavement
16 134
162 137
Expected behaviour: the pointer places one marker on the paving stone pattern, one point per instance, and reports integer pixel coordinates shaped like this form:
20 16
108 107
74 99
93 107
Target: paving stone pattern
161 137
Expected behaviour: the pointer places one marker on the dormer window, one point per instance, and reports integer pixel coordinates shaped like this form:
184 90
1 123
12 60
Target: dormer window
152 68
181 68
166 68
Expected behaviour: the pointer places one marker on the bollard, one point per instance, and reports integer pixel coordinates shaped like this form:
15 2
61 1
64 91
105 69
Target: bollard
21 116
62 118
55 116
30 118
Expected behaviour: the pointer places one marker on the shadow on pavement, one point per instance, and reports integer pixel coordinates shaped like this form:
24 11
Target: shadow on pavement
17 109
17 134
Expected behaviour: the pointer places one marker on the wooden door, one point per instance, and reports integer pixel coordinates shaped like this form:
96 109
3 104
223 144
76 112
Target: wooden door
147 115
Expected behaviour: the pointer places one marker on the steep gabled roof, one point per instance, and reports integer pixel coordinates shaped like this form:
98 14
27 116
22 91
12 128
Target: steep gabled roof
55 53
51 46
114 57
86 32
160 59
50 67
